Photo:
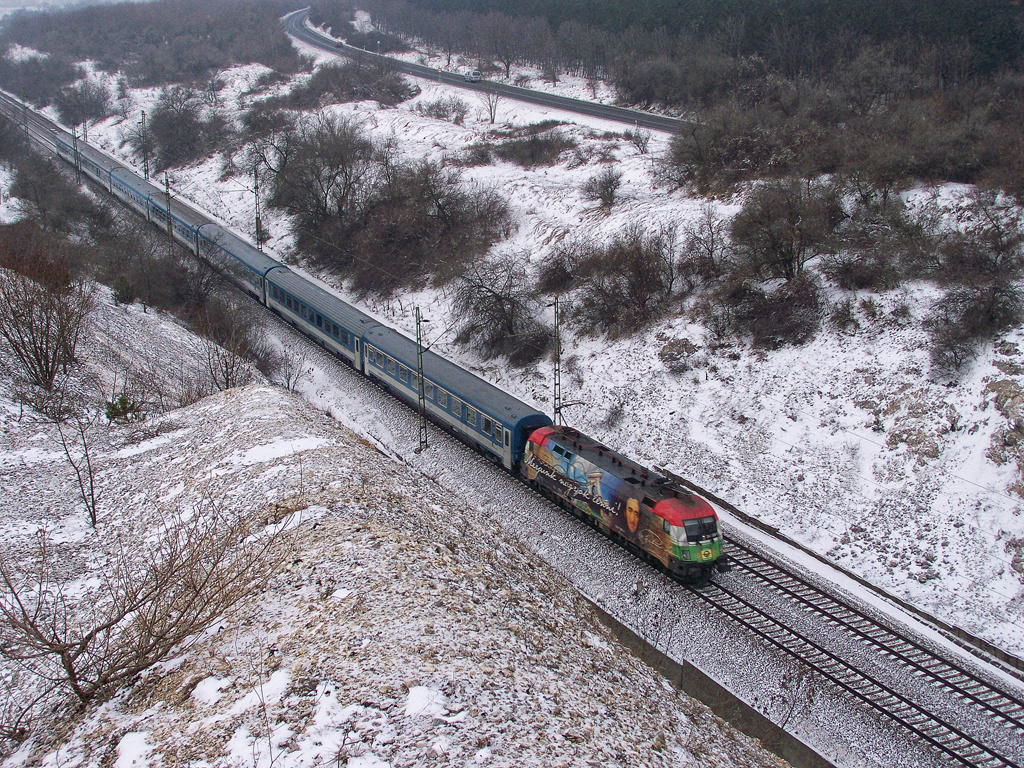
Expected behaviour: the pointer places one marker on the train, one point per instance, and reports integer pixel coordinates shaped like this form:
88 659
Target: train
650 515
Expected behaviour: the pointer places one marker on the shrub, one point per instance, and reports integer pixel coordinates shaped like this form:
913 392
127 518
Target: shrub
123 410
708 250
968 315
677 354
179 134
844 318
351 81
13 144
77 104
37 80
323 168
603 188
262 119
450 108
476 154
788 315
160 42
536 149
375 42
627 285
874 270
55 200
122 291
42 323
421 222
783 224
557 273
989 244
90 643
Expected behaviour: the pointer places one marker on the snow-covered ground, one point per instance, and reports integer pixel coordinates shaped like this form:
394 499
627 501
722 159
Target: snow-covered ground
845 444
404 629
9 207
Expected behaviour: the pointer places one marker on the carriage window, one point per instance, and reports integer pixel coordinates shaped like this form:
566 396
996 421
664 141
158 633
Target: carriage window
428 390
442 399
470 416
506 437
558 449
488 425
402 372
391 365
319 322
373 355
344 338
303 311
457 407
335 330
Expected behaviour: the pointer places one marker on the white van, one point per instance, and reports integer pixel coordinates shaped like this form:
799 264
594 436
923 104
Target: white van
472 77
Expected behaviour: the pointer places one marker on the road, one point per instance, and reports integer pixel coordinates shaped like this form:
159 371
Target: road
294 25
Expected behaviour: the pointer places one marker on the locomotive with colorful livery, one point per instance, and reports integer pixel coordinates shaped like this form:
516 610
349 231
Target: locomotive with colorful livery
645 511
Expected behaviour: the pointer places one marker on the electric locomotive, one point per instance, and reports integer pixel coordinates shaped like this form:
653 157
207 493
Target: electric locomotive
624 500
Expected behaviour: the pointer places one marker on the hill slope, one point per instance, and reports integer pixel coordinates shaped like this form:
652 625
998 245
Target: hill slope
402 630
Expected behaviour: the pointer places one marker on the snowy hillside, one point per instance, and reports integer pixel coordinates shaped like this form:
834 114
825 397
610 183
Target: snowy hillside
403 628
845 443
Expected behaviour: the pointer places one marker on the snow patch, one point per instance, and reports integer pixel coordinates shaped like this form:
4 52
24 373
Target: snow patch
425 702
133 751
209 690
261 454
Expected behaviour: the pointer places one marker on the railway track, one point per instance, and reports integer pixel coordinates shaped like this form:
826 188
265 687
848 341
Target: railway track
927 703
966 716
897 644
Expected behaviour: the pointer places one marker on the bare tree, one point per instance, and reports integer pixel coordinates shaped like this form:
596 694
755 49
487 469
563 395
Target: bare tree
152 600
17 709
233 338
498 311
490 99
320 171
707 243
784 224
292 369
226 365
77 426
639 138
42 323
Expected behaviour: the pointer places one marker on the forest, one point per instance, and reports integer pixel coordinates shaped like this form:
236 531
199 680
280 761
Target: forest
148 43
886 91
823 28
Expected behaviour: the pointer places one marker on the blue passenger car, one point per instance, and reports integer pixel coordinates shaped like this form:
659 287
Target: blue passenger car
332 322
131 190
491 420
234 257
